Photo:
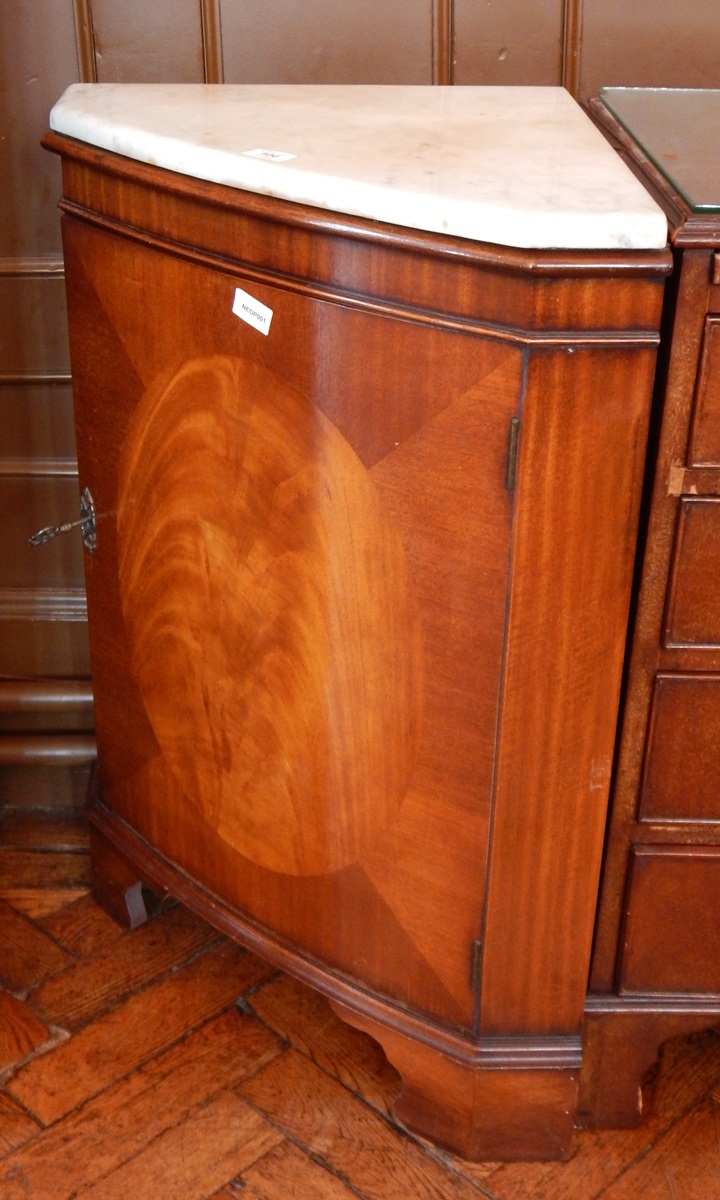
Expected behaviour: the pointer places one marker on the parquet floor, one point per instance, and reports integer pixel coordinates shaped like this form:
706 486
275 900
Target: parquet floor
167 1064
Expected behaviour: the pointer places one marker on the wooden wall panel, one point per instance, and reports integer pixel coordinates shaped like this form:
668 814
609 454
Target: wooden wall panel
63 705
20 785
25 500
42 610
321 41
37 61
33 322
36 423
649 43
499 42
148 42
43 635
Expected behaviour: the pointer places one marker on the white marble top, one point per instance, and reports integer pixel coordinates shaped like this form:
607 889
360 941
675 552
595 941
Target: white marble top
515 166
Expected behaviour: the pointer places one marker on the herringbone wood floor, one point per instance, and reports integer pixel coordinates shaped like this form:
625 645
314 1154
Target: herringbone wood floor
167 1063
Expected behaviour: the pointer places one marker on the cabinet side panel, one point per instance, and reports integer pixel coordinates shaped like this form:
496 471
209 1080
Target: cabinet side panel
581 457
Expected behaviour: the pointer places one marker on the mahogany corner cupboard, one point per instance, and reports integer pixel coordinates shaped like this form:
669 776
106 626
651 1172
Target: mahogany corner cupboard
362 381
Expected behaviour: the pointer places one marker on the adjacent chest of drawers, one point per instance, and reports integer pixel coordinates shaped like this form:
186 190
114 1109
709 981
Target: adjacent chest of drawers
656 968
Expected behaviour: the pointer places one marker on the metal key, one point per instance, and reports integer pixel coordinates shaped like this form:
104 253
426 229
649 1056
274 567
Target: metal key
86 522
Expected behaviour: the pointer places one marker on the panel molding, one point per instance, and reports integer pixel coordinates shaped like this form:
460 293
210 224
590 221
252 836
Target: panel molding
31 379
43 604
213 61
46 750
572 46
46 695
443 47
30 467
35 267
85 41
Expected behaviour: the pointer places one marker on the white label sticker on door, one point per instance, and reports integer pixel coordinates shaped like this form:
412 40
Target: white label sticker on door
269 155
247 308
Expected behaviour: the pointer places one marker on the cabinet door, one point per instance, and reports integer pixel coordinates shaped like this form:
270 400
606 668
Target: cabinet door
297 601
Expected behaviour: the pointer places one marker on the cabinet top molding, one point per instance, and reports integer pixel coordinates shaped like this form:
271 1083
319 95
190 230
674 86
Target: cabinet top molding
513 166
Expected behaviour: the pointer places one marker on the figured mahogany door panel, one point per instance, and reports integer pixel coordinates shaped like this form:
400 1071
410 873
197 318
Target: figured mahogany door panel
682 764
298 601
704 449
271 619
672 934
693 613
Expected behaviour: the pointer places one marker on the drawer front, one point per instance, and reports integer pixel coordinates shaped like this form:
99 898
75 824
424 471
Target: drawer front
693 610
682 763
672 931
704 449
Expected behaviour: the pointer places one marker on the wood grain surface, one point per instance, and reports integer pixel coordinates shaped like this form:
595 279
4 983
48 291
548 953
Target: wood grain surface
272 623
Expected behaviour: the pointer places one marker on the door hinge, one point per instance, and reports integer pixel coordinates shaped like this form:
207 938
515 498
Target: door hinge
475 965
513 440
